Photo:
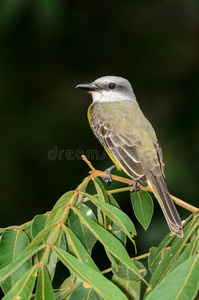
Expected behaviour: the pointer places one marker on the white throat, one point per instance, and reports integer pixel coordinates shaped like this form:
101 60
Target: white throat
112 96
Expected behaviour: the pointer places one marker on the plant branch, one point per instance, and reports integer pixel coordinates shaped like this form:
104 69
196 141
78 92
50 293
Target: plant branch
97 173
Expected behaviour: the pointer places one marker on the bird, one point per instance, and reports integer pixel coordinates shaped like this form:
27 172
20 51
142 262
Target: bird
129 139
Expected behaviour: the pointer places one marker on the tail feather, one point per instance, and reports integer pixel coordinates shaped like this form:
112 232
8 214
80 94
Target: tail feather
159 187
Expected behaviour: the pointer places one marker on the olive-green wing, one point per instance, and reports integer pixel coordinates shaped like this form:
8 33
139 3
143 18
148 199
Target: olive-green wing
121 148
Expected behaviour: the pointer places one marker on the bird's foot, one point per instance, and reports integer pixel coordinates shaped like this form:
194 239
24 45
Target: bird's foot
136 187
108 172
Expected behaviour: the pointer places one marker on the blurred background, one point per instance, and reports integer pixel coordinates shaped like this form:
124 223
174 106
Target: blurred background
47 47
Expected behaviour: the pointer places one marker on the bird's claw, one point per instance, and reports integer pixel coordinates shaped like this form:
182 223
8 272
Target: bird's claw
136 187
108 172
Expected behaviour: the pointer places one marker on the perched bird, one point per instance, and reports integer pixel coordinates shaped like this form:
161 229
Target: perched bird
130 140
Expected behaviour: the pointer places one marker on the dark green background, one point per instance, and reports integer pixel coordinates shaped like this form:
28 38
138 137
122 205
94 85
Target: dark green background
47 47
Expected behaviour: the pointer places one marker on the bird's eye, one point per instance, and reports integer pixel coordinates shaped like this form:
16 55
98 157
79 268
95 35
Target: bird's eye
111 85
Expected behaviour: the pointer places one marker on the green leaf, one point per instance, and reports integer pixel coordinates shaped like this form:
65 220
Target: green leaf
116 215
67 287
118 233
12 245
157 253
24 287
40 237
44 290
71 282
111 244
130 288
103 220
59 208
78 249
38 225
2 230
114 261
52 257
181 284
81 231
8 270
100 218
88 211
114 228
125 273
187 252
170 257
143 207
112 200
52 264
100 190
155 258
28 231
62 243
83 291
97 281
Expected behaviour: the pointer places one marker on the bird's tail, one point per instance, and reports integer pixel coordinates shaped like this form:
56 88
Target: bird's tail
160 190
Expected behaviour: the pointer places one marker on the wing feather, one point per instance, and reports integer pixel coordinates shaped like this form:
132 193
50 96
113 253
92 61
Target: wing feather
122 148
134 169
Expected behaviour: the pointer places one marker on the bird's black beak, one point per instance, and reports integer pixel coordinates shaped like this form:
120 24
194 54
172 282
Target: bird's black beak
89 87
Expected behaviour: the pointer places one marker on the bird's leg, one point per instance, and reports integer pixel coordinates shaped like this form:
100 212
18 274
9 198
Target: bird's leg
136 187
108 172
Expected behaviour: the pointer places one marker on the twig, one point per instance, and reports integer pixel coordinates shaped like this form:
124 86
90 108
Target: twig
88 162
184 204
97 173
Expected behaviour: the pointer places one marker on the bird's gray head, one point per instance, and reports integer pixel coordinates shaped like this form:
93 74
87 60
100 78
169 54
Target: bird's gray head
109 88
